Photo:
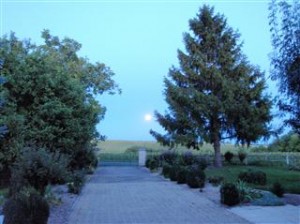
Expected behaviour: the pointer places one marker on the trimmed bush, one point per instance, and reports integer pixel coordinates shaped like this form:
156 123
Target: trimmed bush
173 172
152 163
168 157
201 162
228 156
181 175
38 168
166 169
147 163
254 177
229 194
242 156
195 177
188 158
277 189
26 207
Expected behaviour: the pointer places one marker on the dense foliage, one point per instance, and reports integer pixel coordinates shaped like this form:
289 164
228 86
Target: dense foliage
215 94
286 143
50 97
229 194
36 167
26 207
255 177
285 59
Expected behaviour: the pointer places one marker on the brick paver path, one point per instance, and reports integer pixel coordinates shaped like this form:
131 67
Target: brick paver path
134 195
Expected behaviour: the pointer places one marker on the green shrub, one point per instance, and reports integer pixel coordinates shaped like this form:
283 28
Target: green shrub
181 175
242 156
84 158
51 198
286 143
76 182
166 169
147 163
277 189
168 157
152 163
37 168
228 156
201 162
26 207
254 177
215 180
173 172
187 158
195 177
229 194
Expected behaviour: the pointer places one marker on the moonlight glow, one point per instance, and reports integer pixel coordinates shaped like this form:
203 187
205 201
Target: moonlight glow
148 117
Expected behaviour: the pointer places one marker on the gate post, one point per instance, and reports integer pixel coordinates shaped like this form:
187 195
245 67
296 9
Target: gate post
142 156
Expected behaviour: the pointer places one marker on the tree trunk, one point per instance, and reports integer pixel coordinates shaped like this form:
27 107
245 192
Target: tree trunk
217 148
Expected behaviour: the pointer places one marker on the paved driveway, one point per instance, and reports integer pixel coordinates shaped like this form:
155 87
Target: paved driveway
134 195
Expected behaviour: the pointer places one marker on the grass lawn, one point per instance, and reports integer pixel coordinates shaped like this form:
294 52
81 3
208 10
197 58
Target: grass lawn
289 179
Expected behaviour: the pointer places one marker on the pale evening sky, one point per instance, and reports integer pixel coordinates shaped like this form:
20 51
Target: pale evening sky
138 40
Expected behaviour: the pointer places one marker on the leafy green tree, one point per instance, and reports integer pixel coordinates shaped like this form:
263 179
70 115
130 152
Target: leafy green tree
285 59
3 128
215 93
50 93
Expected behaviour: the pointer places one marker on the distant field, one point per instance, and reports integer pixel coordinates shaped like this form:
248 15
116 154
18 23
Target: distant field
117 146
109 151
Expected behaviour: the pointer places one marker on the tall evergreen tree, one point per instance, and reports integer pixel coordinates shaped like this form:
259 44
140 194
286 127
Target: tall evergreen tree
285 59
215 93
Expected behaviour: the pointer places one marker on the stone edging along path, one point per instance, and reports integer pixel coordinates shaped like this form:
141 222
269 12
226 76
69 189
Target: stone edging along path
134 195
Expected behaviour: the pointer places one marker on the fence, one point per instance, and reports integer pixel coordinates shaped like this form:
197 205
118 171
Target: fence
118 159
284 159
262 158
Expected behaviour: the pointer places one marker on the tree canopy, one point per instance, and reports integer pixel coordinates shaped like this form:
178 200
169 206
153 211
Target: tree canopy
50 95
215 94
285 58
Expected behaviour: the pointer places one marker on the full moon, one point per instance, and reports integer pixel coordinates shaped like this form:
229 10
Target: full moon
148 117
